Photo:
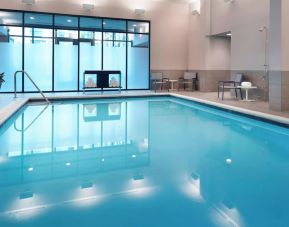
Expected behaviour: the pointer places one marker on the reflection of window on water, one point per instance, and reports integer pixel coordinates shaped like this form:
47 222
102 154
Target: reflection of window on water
90 110
114 109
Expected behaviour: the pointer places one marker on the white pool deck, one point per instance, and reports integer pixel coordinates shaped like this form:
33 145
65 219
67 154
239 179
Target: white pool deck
9 105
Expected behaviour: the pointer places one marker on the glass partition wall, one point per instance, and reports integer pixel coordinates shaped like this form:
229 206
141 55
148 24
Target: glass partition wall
56 49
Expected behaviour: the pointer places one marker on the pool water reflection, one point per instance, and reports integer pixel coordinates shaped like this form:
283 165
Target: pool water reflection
141 162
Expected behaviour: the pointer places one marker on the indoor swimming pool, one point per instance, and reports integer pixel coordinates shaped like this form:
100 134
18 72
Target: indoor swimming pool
141 162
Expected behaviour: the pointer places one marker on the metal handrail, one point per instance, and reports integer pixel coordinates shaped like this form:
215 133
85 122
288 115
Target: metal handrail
15 84
32 122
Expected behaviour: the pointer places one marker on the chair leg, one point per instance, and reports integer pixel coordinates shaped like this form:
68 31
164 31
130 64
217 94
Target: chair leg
241 93
222 94
218 92
236 93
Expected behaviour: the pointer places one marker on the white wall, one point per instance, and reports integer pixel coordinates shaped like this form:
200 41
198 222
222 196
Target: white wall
243 18
285 35
169 23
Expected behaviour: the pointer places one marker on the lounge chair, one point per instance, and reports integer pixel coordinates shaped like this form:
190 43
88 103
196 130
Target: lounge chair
158 79
231 85
190 78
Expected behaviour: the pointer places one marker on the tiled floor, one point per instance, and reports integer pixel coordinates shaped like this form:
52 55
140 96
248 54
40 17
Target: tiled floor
8 104
256 106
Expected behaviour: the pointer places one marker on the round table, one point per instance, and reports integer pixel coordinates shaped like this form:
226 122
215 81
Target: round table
172 83
247 92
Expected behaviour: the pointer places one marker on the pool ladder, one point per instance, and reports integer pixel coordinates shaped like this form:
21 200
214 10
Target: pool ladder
25 73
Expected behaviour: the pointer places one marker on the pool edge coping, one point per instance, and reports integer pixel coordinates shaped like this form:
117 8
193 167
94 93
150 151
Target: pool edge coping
8 111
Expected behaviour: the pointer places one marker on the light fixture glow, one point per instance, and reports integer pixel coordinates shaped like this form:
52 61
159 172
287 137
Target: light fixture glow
26 195
30 169
138 177
68 164
87 185
69 20
228 161
229 34
31 18
133 156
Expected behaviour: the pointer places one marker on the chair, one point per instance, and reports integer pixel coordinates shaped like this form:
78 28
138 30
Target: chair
159 79
189 78
231 85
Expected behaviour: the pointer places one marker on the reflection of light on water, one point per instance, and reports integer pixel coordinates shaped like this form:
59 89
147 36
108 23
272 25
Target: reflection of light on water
143 145
22 209
3 159
191 186
86 196
224 216
139 187
192 189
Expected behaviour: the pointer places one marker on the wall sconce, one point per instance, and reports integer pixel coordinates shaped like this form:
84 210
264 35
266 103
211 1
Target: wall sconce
195 7
28 2
139 12
88 7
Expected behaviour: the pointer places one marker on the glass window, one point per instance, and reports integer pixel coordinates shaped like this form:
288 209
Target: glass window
138 27
66 22
11 56
114 55
38 42
90 24
114 25
39 20
138 61
10 18
90 52
66 60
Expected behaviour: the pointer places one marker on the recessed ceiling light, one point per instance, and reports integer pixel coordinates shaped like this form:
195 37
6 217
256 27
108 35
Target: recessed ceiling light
31 18
103 23
69 20
134 25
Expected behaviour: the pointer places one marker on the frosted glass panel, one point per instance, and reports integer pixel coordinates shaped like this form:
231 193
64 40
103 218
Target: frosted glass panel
90 53
114 54
11 57
39 68
138 61
66 62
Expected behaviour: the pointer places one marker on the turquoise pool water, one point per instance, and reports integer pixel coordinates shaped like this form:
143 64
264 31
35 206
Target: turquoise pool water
144 162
